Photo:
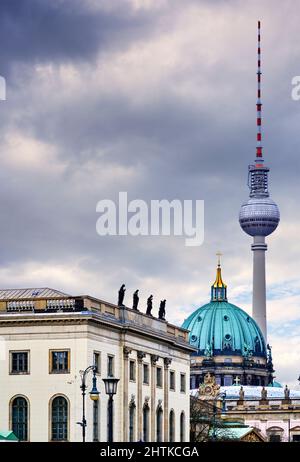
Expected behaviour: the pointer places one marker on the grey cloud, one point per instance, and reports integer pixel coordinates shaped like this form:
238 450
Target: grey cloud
175 145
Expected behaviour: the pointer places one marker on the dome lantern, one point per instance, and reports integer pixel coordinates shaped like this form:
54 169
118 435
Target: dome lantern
219 288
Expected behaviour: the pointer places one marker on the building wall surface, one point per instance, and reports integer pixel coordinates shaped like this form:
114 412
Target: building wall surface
275 419
83 334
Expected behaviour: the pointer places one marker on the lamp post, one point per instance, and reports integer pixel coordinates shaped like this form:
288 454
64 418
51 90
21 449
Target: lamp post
94 394
223 411
111 385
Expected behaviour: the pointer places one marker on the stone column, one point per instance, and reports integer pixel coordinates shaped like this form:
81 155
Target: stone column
140 356
126 353
259 248
154 359
167 362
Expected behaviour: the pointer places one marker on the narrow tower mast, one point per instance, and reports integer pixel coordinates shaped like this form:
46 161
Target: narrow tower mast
259 216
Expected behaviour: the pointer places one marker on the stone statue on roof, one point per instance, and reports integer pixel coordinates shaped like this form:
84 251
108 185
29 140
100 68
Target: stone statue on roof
135 300
121 295
286 393
264 394
241 394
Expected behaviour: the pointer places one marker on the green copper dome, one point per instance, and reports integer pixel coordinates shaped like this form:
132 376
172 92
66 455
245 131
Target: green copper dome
221 328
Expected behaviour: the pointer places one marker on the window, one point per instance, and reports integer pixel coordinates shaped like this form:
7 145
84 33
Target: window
132 371
19 363
145 374
132 422
97 361
59 419
159 377
172 380
182 427
227 380
110 365
274 438
172 426
146 413
182 383
60 362
296 438
227 360
159 422
218 380
95 421
19 417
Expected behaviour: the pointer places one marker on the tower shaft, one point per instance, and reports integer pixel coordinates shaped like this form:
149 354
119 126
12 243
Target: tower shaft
259 248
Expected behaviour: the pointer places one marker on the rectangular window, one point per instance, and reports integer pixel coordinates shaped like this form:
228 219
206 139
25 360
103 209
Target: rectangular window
227 380
145 374
97 361
296 438
172 380
110 365
218 380
275 438
132 371
159 377
182 383
59 362
19 362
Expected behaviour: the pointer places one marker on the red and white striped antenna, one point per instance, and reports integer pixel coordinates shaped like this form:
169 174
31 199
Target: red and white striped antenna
259 149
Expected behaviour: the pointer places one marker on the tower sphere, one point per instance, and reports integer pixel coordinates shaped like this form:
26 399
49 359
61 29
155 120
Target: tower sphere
259 216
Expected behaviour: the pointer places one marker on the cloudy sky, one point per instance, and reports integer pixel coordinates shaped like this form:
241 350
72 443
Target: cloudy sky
156 98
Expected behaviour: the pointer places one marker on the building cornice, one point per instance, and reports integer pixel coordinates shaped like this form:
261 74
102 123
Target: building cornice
90 317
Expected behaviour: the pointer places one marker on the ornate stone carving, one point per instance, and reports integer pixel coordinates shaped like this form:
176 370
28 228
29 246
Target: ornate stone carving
159 405
209 387
167 362
146 402
126 352
154 359
140 356
132 401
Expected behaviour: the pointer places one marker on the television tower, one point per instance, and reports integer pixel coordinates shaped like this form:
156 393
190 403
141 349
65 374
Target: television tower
259 216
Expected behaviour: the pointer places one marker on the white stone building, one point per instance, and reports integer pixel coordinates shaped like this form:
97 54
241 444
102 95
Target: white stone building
48 337
276 417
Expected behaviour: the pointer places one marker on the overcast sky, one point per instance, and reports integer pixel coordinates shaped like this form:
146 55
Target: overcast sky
156 98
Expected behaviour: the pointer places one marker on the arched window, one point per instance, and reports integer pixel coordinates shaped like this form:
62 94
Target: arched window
182 427
159 425
172 426
59 419
19 417
132 422
146 413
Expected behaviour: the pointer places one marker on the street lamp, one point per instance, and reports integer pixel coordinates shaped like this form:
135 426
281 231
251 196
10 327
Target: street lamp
111 385
94 394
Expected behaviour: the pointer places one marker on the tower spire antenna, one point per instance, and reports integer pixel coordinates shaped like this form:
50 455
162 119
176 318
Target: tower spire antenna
259 149
259 216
